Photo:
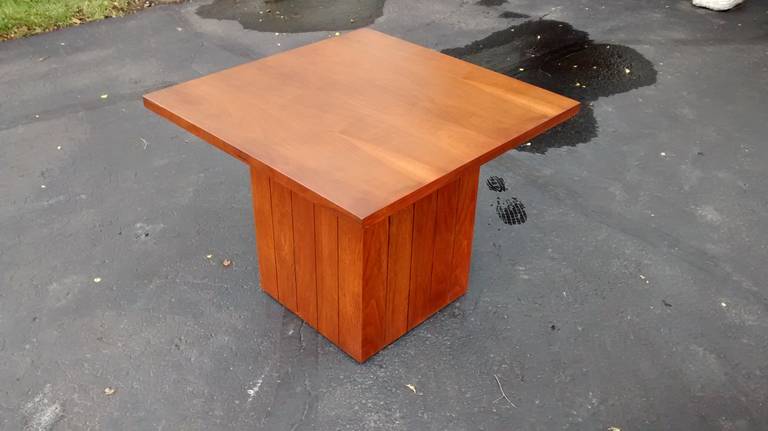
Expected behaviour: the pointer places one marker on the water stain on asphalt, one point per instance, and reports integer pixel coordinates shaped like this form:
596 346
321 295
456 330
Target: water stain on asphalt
295 16
511 211
496 184
490 3
554 55
513 15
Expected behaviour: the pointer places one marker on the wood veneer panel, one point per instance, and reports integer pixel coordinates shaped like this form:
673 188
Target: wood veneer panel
445 226
327 264
465 225
422 253
265 243
387 126
304 258
375 253
350 286
282 222
398 273
382 125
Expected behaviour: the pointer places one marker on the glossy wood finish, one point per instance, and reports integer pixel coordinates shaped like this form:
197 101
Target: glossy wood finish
265 242
327 275
365 153
398 273
304 259
362 287
364 123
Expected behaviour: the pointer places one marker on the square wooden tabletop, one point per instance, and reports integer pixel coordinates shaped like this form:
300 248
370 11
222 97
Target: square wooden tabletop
365 122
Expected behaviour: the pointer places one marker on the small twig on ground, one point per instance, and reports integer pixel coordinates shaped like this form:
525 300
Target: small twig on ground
503 395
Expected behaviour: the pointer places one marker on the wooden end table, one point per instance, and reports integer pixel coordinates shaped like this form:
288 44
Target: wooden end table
364 153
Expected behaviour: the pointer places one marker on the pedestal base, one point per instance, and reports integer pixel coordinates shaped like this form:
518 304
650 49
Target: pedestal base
362 287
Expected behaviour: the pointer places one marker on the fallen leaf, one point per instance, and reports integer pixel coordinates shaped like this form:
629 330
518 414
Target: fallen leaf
104 96
111 391
411 387
208 256
97 280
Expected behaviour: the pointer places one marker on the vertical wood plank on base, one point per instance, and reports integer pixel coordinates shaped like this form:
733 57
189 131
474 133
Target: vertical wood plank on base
398 273
304 257
465 226
282 220
327 267
350 286
374 292
422 252
265 242
445 227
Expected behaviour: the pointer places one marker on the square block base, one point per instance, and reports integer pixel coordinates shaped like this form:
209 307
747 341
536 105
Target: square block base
362 287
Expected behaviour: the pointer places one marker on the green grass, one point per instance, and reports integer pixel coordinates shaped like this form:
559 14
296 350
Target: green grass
19 18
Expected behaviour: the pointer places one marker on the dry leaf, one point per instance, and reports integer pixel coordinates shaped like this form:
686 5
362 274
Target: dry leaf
411 387
111 391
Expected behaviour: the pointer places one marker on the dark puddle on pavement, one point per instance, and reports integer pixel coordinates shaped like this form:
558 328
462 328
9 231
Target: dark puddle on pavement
554 55
295 16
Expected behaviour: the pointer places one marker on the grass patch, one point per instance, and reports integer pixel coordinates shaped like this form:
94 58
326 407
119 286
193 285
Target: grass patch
19 18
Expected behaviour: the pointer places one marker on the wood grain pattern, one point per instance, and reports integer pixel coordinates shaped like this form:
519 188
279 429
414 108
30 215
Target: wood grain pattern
282 222
365 212
375 255
327 265
363 287
265 243
445 226
465 225
304 258
384 122
351 287
422 252
398 273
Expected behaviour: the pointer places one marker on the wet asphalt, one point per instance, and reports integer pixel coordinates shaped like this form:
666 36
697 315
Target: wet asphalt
618 275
